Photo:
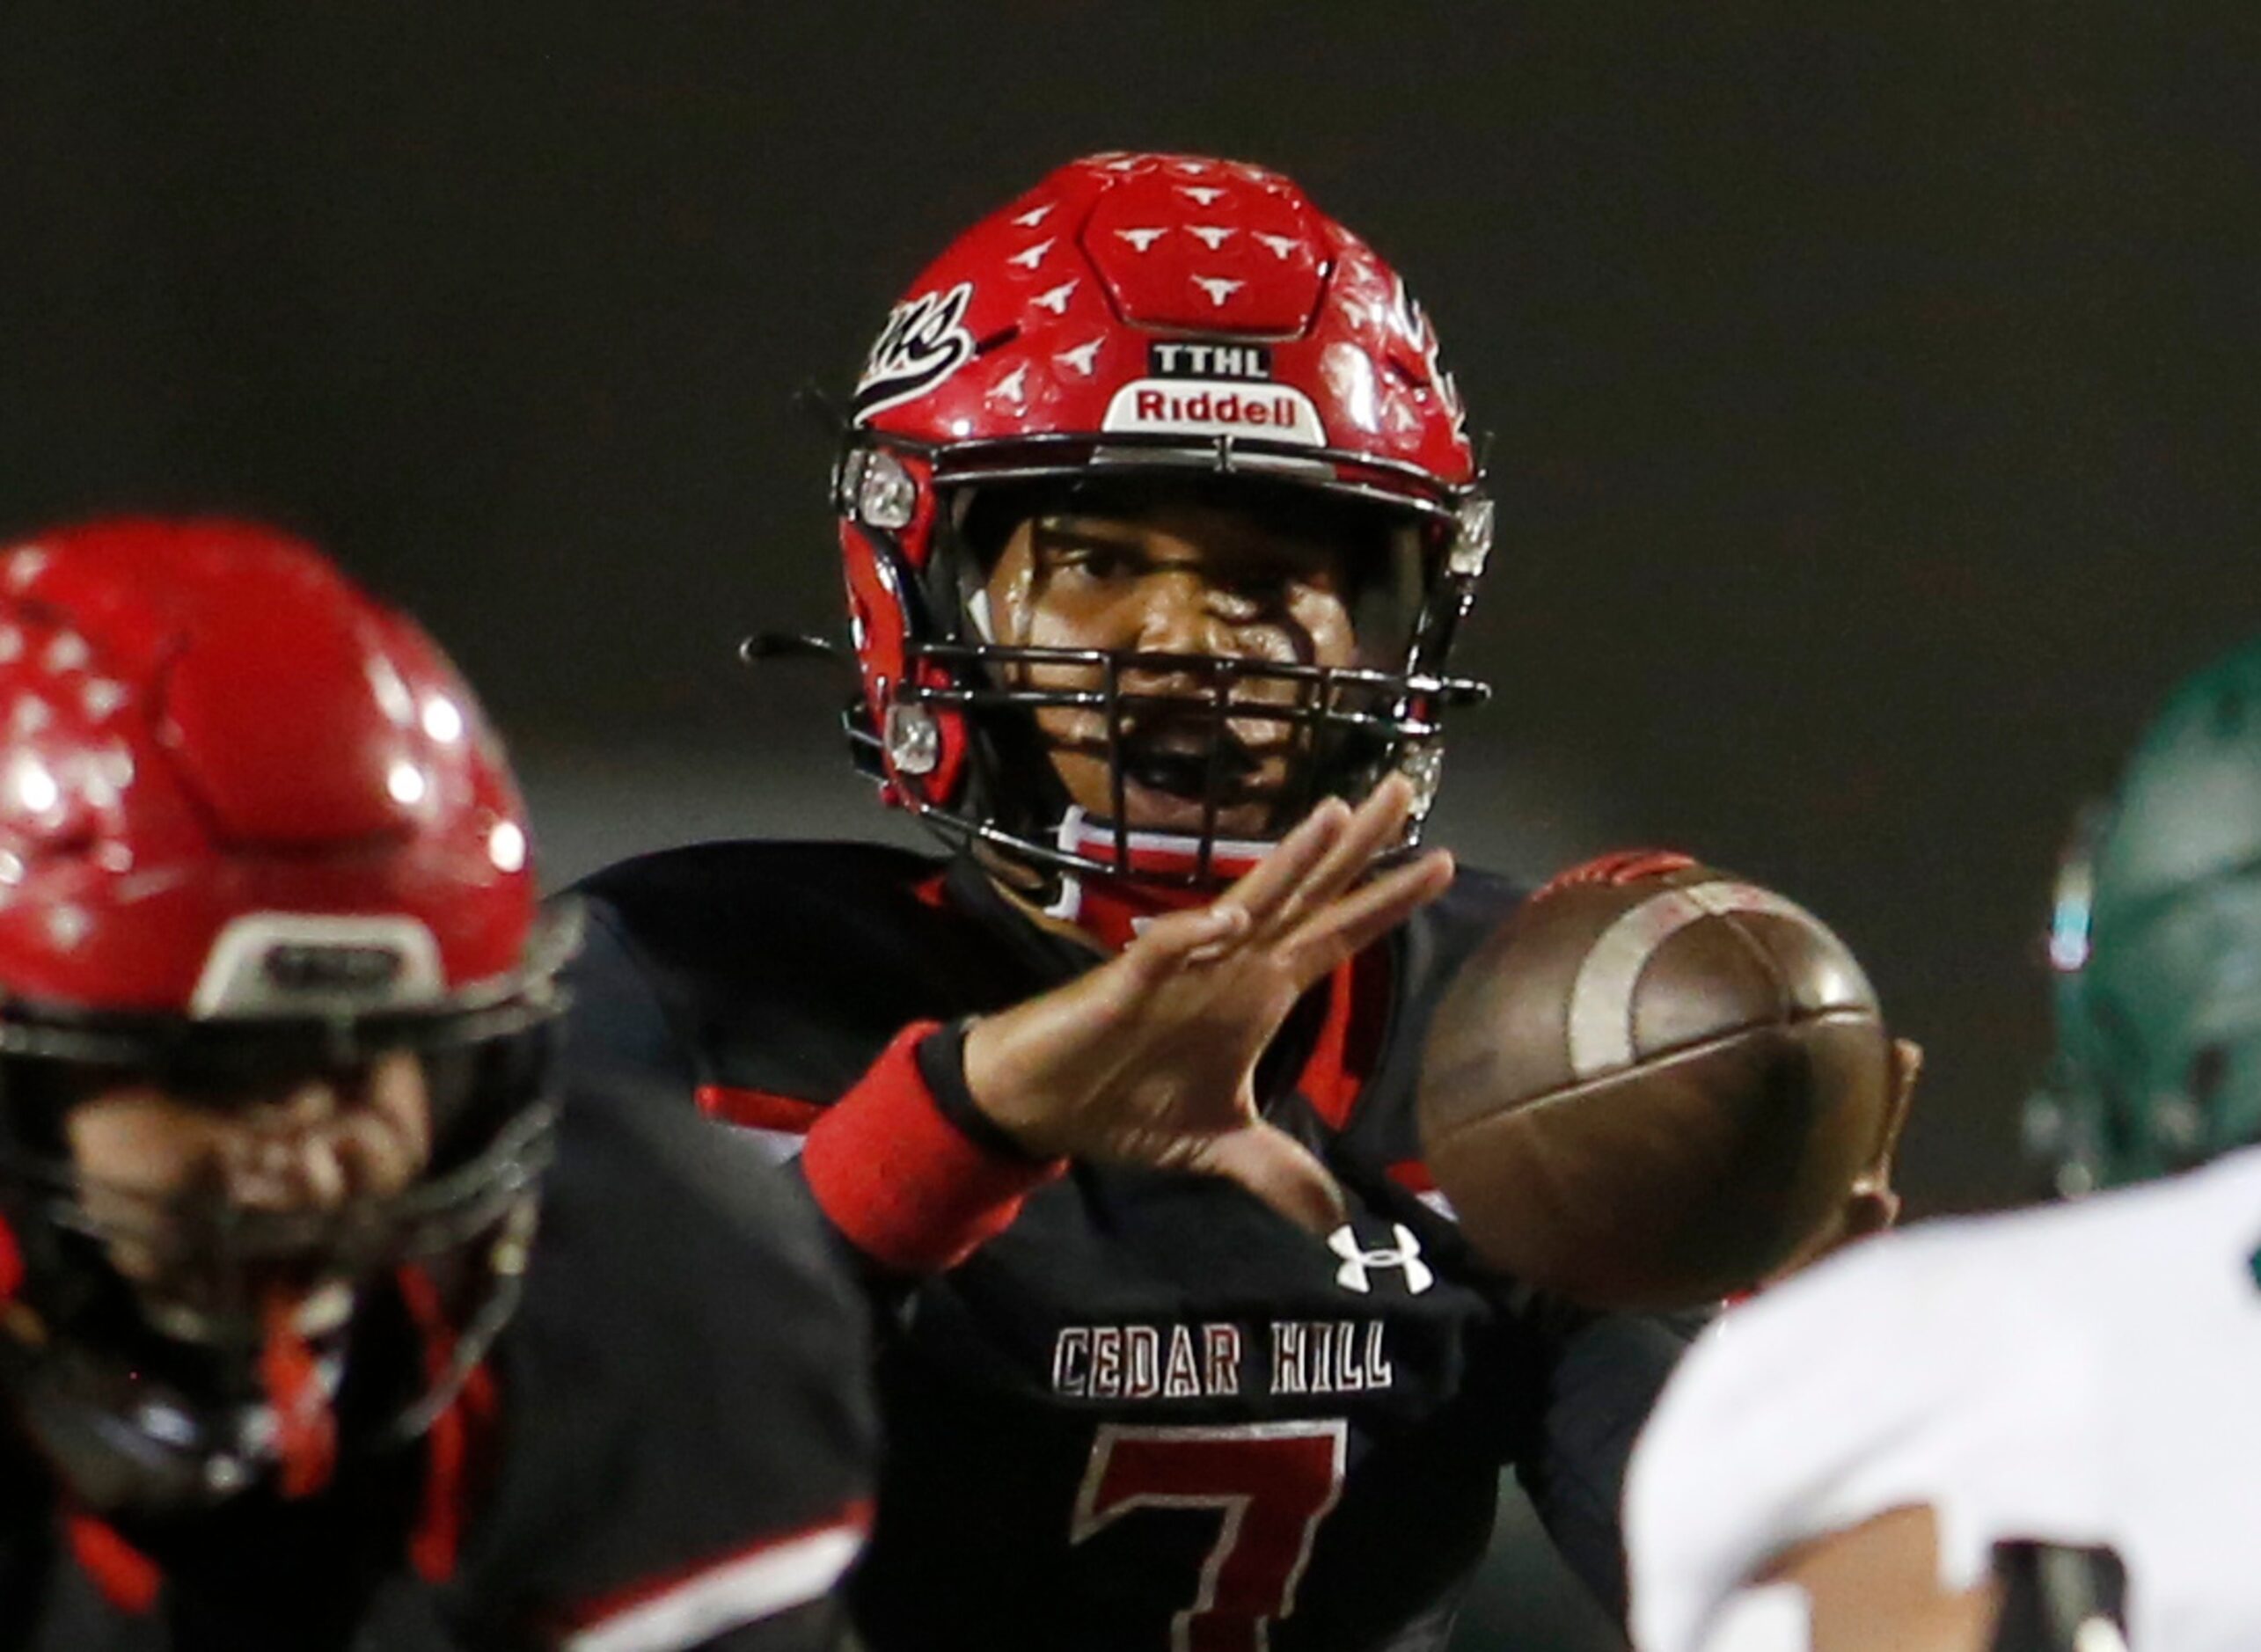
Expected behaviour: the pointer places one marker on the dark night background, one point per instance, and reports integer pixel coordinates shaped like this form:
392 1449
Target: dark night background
1873 393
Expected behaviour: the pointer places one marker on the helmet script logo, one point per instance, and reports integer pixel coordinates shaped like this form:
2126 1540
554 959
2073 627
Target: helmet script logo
1412 321
923 342
1357 1261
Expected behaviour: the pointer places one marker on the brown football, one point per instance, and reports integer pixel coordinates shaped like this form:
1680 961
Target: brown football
1653 1084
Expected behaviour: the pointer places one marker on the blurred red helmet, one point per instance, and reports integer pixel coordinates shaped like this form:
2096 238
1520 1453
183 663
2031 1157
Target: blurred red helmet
252 827
231 786
1140 315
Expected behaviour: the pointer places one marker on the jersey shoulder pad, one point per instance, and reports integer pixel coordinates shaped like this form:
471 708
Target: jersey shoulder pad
775 969
1976 1366
1476 904
685 895
685 1384
1784 1421
1437 940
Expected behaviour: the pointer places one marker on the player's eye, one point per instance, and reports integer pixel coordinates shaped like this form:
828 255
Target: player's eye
1094 560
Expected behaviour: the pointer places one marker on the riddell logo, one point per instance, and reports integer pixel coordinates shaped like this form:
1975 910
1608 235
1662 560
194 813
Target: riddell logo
1209 361
1199 407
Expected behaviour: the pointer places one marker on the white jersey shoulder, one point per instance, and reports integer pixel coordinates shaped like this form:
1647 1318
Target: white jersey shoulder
2087 1374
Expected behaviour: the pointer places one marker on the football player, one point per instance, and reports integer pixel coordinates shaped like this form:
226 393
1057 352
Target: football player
2034 1432
1158 515
284 1361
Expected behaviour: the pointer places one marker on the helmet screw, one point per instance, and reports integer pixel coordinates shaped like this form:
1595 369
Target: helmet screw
886 497
914 742
1422 762
1471 526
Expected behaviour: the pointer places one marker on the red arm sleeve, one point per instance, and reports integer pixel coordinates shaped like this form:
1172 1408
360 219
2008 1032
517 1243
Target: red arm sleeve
901 1179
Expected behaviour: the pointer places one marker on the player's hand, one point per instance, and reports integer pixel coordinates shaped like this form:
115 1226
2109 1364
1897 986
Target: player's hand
1151 1059
1876 1201
1871 1203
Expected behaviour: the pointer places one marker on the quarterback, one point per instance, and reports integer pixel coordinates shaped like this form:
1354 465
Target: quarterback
1158 515
284 1361
2030 1433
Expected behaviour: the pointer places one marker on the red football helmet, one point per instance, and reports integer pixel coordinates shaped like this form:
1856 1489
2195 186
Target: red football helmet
252 824
1136 315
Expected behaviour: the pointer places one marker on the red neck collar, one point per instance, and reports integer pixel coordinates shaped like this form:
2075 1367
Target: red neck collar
1113 907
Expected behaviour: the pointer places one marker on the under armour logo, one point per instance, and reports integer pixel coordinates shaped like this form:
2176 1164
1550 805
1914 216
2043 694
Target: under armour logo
1357 1259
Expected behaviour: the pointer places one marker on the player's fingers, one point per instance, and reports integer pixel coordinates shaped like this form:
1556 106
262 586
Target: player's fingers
1170 943
373 1156
397 1093
1907 1068
1279 874
1277 1169
1351 924
1378 824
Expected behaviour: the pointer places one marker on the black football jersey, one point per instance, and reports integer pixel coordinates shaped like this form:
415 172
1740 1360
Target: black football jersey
669 1445
1149 1412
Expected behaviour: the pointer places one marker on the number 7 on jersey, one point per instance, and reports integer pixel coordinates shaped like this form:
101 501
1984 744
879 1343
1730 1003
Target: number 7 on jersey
1272 1483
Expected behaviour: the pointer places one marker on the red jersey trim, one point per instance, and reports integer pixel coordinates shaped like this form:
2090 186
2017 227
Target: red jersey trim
904 1184
757 1110
1412 1175
1342 1055
128 1578
12 1264
693 1606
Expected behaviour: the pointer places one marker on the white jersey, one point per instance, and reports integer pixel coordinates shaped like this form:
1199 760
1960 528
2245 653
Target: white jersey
2087 1374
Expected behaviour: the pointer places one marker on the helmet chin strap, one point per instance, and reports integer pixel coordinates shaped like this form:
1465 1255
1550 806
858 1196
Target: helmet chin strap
305 1443
1113 910
127 1441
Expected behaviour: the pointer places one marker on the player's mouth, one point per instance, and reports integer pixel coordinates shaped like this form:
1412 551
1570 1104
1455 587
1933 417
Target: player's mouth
226 1300
1171 770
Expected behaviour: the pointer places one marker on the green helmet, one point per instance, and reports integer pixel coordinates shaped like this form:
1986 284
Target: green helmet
2157 946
